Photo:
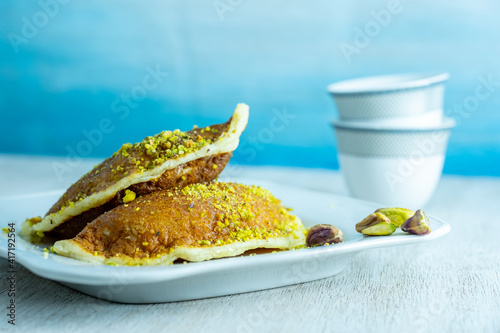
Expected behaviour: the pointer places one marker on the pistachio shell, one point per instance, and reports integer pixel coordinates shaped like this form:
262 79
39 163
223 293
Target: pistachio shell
418 224
321 234
397 215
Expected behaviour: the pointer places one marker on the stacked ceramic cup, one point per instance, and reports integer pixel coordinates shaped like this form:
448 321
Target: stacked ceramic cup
392 136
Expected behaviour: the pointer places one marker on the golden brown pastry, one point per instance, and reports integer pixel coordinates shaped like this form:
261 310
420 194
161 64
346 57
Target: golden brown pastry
163 161
194 223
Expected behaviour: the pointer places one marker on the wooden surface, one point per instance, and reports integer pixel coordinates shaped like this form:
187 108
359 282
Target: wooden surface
449 285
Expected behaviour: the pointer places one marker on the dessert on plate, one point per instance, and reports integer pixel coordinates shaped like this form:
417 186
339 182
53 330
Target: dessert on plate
163 161
156 201
194 223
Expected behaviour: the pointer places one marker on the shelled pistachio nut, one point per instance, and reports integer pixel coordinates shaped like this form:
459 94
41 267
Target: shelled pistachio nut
418 224
376 224
397 215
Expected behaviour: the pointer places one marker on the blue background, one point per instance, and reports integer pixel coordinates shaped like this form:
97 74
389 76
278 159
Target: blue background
276 56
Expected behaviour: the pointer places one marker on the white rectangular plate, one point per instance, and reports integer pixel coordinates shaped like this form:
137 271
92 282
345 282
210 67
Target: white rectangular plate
156 284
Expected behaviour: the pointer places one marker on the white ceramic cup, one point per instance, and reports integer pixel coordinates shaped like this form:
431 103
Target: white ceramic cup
389 97
392 166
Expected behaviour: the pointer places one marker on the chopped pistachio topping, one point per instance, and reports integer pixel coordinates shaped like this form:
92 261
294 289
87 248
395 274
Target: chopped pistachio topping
162 146
129 196
141 157
34 220
233 209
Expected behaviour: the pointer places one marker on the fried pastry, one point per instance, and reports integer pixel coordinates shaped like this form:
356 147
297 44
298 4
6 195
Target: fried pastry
166 160
195 223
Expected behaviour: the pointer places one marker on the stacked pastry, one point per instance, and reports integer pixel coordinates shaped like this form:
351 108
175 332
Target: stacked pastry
155 201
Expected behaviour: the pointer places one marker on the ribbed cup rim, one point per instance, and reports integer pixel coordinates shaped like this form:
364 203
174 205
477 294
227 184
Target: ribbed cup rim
386 83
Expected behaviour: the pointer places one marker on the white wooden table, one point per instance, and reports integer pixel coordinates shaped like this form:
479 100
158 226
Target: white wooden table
449 285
